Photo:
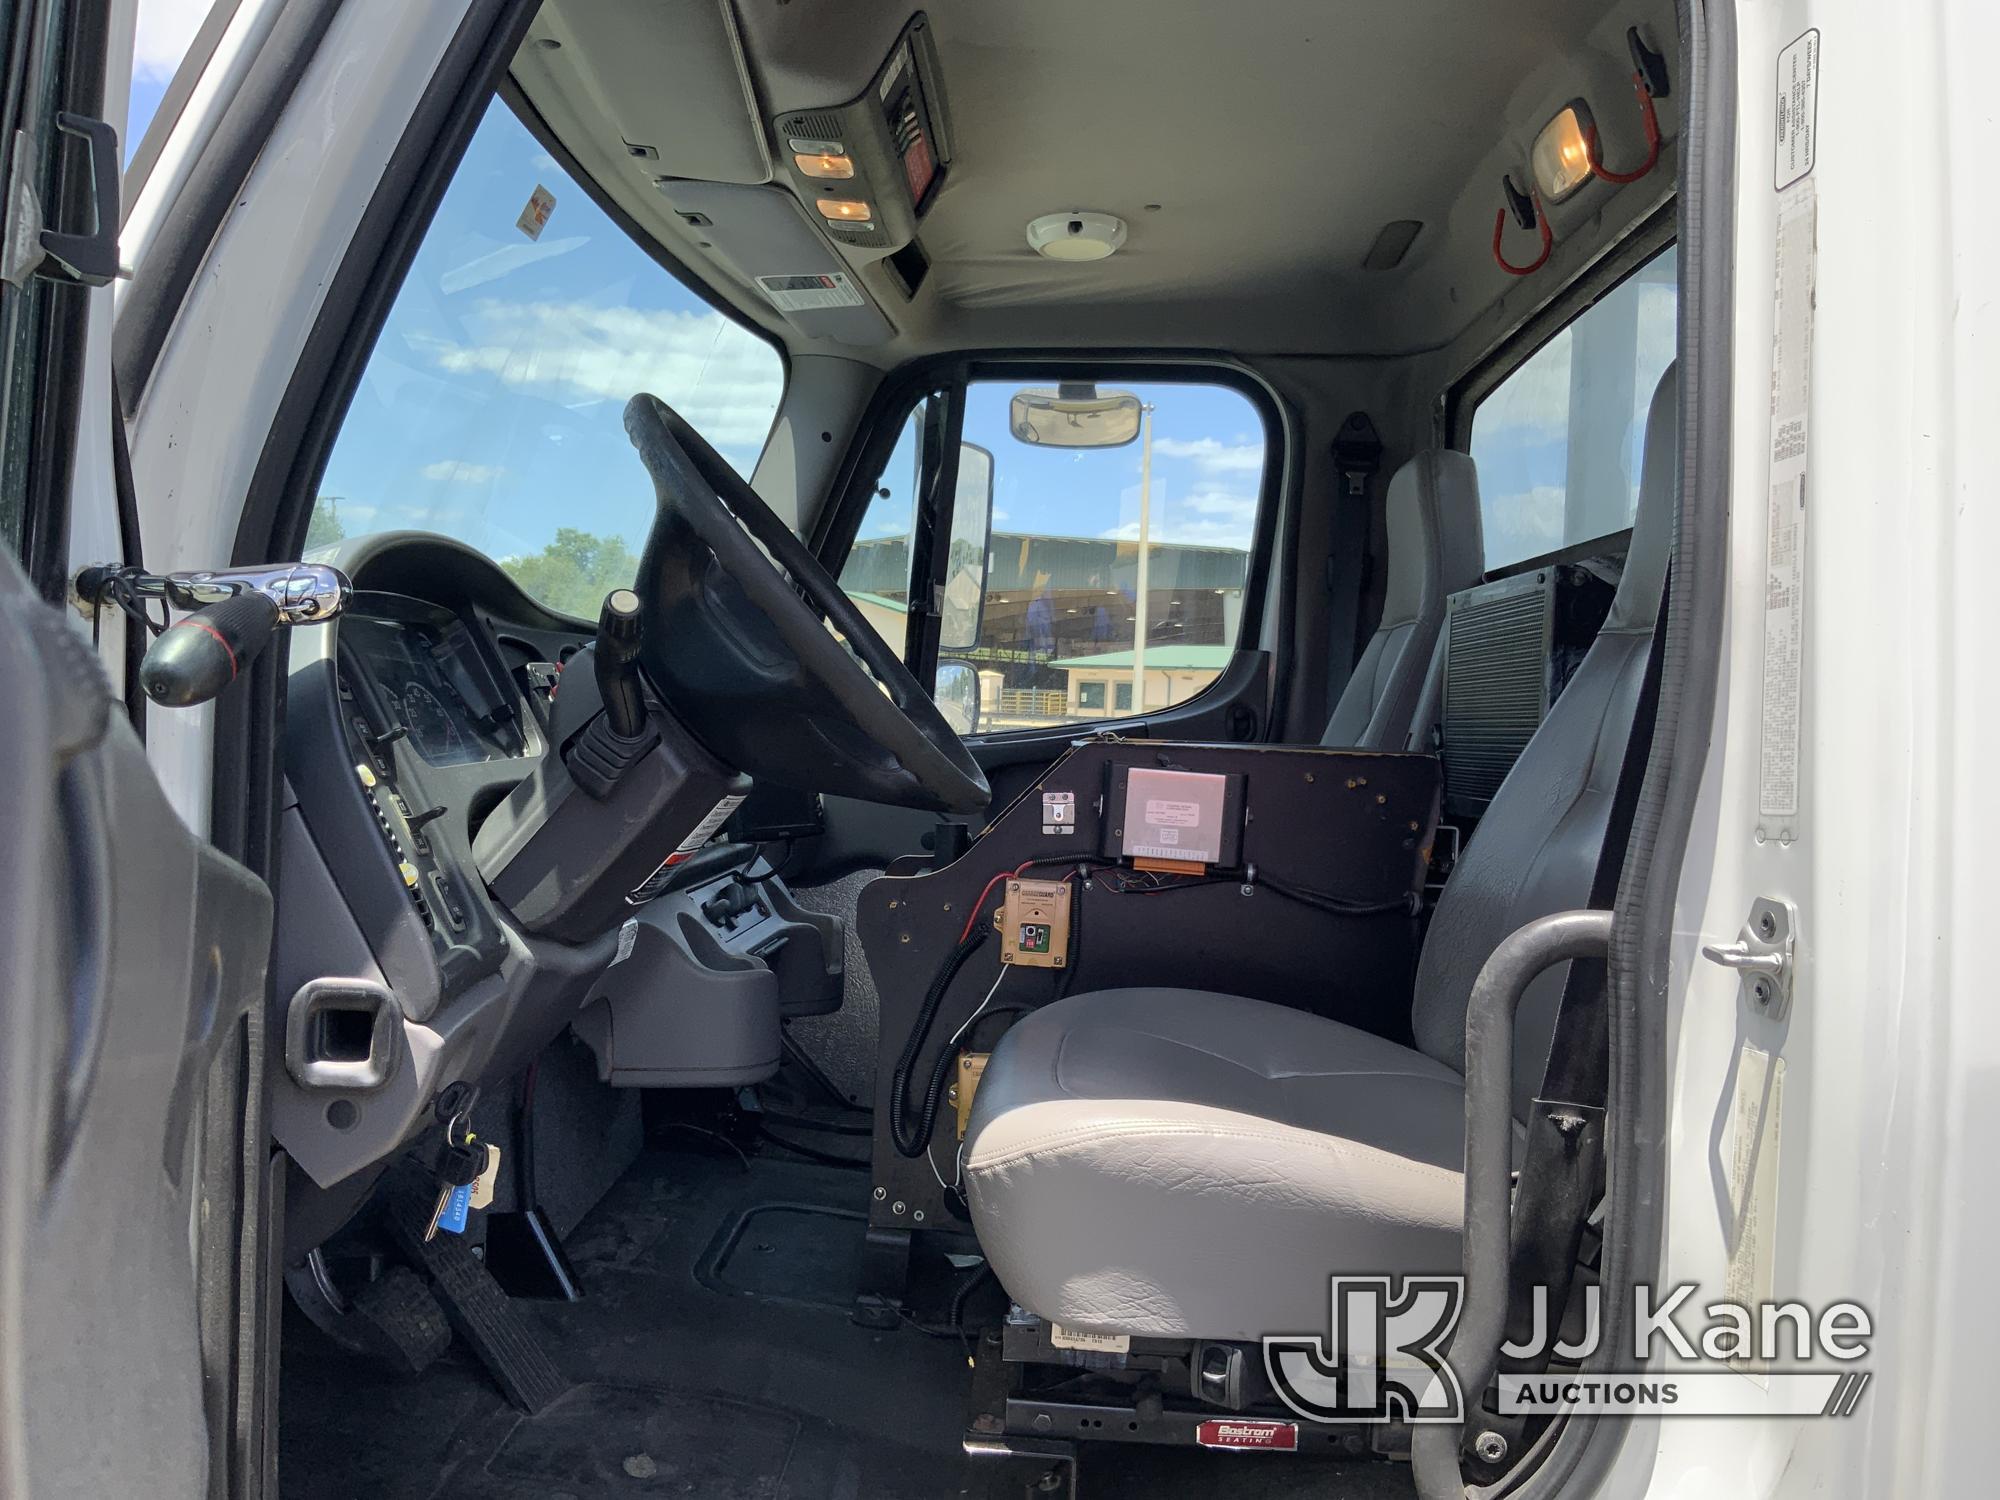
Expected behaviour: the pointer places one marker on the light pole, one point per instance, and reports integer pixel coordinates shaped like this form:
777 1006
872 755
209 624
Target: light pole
1145 557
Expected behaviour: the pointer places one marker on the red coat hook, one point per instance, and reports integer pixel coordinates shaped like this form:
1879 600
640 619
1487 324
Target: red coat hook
1548 242
1652 124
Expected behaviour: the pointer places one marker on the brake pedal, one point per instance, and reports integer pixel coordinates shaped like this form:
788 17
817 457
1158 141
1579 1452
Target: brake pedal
402 1322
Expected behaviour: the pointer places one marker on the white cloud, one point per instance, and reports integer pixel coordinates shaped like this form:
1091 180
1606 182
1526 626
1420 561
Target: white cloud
1213 457
462 471
725 381
165 28
1239 508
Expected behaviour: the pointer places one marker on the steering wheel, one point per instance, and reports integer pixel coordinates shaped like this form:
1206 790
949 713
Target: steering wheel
731 637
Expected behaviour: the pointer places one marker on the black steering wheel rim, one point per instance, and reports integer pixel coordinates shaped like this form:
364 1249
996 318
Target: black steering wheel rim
738 650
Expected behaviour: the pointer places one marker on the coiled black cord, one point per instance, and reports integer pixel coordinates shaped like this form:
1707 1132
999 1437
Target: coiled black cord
910 1140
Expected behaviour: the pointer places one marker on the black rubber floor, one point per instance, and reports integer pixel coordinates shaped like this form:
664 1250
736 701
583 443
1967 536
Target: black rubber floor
712 1356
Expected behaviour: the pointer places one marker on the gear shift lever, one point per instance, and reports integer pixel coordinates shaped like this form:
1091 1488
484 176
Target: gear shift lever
617 660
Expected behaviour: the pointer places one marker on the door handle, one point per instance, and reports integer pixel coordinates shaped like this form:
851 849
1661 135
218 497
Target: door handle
89 258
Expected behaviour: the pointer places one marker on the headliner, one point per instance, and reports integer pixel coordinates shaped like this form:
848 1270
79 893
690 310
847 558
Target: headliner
1277 138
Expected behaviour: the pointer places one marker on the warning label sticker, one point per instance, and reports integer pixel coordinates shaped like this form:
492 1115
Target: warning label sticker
1785 528
1798 109
813 292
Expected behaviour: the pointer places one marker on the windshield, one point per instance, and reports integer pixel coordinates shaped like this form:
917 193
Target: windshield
491 410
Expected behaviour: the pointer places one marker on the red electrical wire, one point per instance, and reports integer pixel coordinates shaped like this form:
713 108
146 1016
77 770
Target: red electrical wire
1548 242
1652 124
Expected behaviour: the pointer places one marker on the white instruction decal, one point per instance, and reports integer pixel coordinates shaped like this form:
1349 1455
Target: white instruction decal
1785 529
535 217
1755 1115
1798 109
628 936
814 292
1102 1343
1164 814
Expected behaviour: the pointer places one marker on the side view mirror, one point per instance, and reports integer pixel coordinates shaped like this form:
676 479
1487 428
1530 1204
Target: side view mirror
1074 416
967 552
958 696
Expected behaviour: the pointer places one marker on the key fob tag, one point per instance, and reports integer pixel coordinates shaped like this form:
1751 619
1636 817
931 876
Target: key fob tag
456 1210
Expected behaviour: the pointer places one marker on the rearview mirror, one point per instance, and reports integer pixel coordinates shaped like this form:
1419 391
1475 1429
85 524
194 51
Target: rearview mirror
966 553
1074 416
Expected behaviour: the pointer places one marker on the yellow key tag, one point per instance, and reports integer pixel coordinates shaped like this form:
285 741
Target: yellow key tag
482 1185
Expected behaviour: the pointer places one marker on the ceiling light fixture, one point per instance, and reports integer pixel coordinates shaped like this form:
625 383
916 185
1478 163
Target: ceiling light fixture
1076 236
1560 157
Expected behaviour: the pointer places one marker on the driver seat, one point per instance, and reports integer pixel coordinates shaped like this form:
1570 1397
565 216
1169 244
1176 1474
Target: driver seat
1176 1164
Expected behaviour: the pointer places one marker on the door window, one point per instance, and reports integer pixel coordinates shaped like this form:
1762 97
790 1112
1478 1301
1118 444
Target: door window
1557 443
491 410
876 575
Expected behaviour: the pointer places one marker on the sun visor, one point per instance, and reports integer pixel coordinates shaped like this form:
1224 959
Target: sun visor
763 235
684 109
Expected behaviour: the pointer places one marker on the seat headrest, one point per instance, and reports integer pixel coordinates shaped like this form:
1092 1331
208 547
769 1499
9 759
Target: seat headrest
1637 603
1434 539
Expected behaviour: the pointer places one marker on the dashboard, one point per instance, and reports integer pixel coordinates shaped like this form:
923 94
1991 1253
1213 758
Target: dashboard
429 669
415 722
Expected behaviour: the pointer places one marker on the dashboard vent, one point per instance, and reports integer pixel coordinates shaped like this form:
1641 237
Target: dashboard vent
1496 683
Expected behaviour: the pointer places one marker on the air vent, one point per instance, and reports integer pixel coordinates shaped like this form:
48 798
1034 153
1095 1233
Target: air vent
813 126
1513 646
1391 245
1496 684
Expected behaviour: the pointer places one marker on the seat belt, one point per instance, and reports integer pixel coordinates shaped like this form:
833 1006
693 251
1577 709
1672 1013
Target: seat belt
1562 1170
1357 456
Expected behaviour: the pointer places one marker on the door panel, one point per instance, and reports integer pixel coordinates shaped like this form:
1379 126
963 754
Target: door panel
129 948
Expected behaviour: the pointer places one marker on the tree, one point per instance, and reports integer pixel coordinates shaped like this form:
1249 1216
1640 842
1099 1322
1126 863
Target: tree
326 528
575 571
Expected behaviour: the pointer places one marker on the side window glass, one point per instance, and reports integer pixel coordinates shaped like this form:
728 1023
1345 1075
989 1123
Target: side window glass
876 575
491 409
1118 534
1557 442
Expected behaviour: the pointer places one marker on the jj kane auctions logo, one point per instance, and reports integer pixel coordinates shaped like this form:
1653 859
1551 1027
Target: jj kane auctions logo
1383 1357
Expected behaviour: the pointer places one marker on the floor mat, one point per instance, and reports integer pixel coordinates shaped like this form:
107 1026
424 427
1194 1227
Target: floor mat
712 1355
788 1252
627 1440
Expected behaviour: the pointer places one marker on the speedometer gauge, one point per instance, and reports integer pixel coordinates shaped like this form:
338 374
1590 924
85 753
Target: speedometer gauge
432 733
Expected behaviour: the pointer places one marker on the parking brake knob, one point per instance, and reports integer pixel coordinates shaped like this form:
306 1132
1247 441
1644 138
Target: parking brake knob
617 661
196 658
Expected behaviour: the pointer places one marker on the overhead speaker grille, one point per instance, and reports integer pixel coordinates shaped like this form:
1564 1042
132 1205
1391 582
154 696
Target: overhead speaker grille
818 127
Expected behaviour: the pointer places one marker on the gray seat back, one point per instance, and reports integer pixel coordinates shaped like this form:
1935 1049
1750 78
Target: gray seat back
1434 550
1535 851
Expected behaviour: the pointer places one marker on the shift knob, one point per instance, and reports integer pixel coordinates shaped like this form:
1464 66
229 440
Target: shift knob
617 662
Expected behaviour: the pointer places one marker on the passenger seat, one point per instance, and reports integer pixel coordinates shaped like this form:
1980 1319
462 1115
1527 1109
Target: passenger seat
1434 551
1178 1164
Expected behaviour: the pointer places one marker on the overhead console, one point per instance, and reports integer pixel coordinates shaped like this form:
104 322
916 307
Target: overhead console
871 167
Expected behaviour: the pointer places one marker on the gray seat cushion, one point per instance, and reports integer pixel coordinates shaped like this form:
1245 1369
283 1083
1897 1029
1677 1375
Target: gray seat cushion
1177 1163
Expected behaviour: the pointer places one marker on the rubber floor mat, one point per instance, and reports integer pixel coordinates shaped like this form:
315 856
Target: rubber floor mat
804 1253
624 1440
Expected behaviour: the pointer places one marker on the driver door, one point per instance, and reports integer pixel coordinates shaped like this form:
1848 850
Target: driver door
130 950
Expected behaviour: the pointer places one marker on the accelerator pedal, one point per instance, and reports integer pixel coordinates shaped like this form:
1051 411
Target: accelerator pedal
481 1313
